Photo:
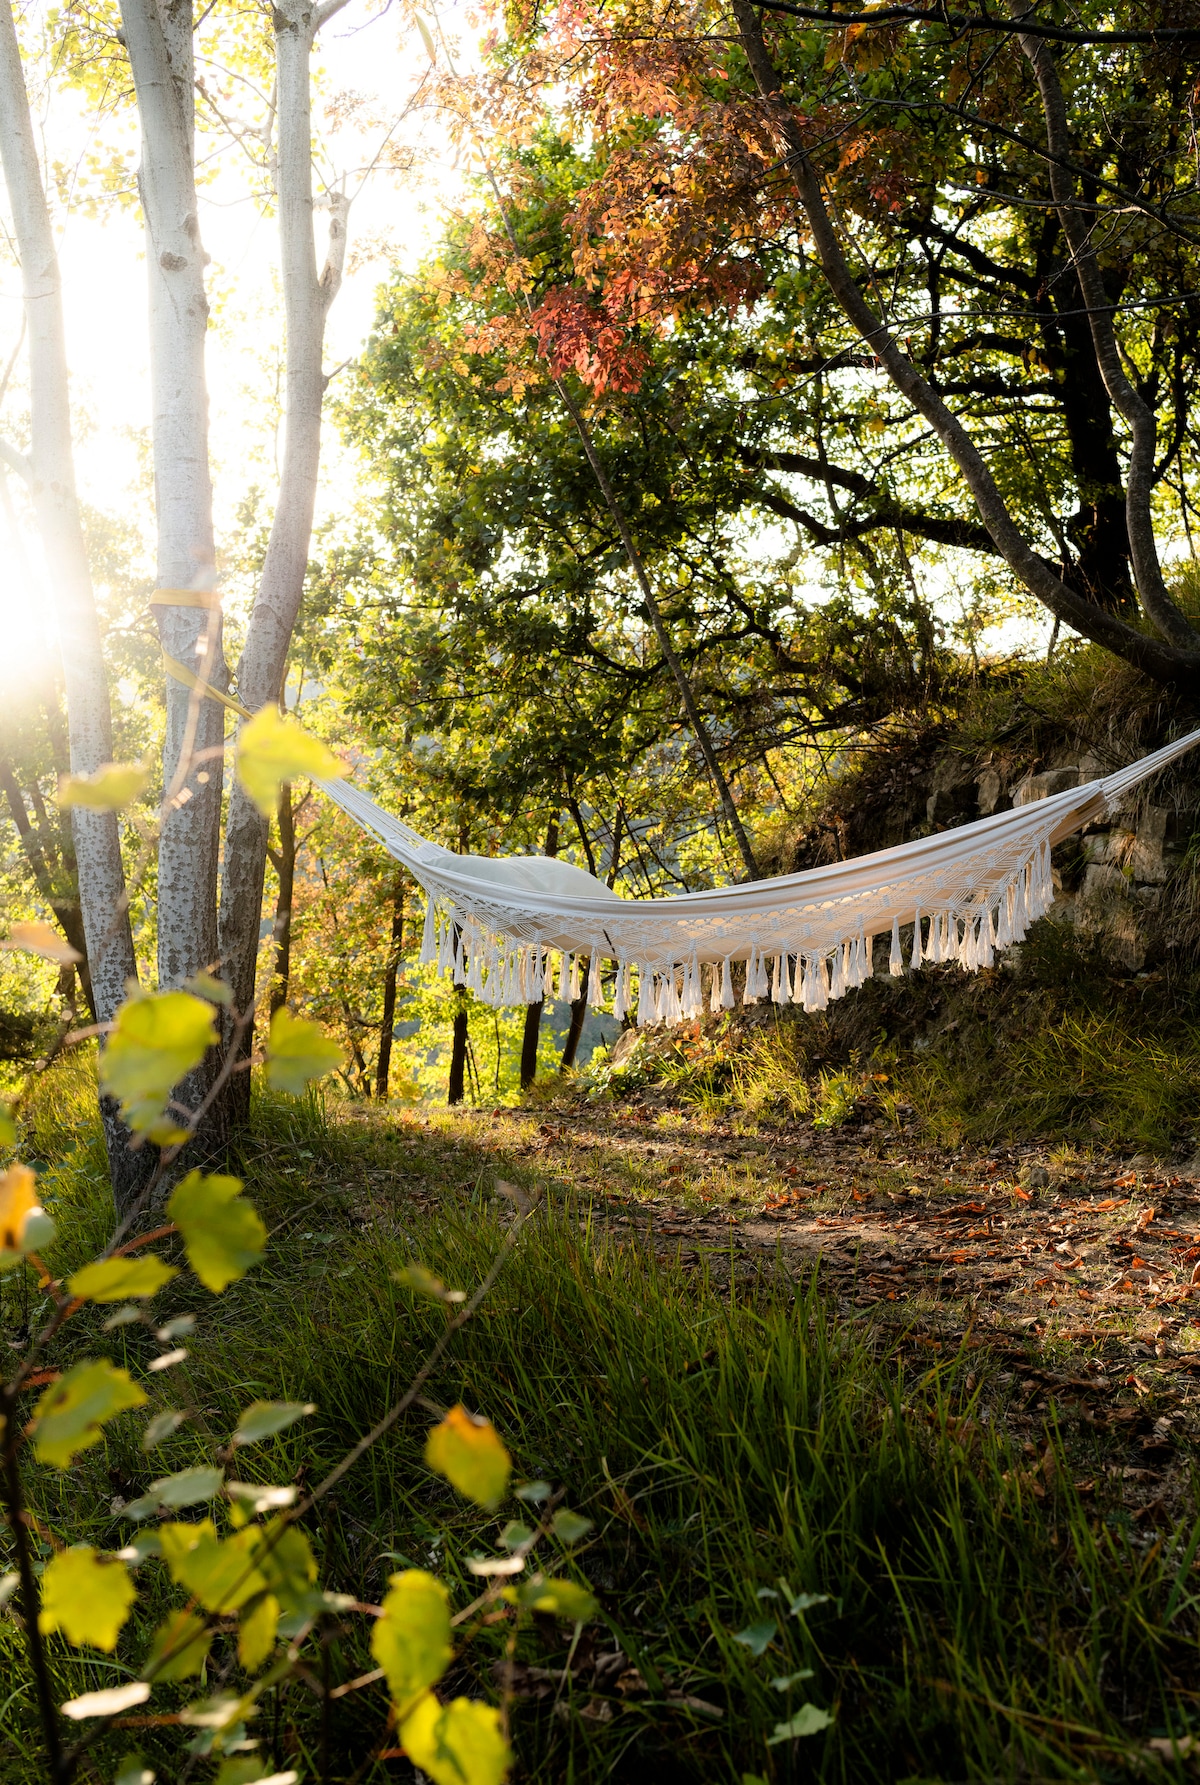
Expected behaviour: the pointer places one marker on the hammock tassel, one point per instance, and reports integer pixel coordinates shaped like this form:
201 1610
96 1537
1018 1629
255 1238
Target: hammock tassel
645 1005
750 995
915 957
428 934
548 979
896 958
595 990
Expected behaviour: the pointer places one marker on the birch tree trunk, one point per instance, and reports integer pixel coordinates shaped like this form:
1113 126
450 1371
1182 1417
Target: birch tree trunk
159 42
307 293
50 470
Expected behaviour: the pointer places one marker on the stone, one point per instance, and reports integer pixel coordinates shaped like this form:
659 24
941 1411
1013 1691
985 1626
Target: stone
989 785
1040 787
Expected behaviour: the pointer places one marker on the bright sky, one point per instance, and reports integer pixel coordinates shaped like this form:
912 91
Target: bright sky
363 52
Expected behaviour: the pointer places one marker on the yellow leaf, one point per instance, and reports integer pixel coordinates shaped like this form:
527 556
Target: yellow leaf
288 1564
157 1038
116 1279
222 1234
39 938
111 786
256 1632
411 1639
461 1743
71 1414
24 1224
219 1576
467 1451
272 750
179 1648
298 1050
86 1595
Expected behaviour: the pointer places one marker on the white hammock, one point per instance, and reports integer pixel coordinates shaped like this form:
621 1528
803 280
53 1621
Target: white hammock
496 924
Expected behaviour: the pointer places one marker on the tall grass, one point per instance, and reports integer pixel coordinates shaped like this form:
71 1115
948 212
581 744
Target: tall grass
735 1448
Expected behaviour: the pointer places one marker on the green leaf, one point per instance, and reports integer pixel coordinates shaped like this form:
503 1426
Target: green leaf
805 1602
24 1224
220 1576
534 1493
110 1701
161 1427
256 1632
132 1770
298 1050
115 1279
222 1235
569 1527
411 1640
157 1038
259 1496
205 985
422 1282
757 1637
188 1488
107 789
287 1564
783 1682
179 1648
271 750
515 1534
560 1598
809 1720
461 1743
8 1127
123 1317
467 1451
262 1419
237 1769
86 1595
72 1412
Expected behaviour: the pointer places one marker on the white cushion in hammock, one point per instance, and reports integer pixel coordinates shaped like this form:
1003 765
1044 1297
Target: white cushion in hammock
532 873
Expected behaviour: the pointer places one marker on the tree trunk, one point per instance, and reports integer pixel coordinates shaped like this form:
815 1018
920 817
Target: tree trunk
578 1018
159 42
66 910
50 470
388 1019
285 867
458 1050
307 295
531 1033
1165 661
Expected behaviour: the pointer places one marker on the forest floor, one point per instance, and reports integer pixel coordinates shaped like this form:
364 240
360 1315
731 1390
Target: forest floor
887 1450
1074 1271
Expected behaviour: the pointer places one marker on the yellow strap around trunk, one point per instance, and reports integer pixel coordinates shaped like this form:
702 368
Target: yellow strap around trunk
177 670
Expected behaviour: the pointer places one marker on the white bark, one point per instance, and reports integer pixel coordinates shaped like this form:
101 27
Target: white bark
159 40
308 294
50 470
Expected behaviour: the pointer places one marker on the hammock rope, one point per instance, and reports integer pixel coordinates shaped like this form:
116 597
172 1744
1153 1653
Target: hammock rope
496 924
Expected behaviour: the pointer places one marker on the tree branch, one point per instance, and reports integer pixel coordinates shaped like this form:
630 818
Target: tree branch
16 461
1143 428
960 21
1162 660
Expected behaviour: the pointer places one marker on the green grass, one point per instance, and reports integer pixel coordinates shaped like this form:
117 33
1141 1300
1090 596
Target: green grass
1049 1045
726 1444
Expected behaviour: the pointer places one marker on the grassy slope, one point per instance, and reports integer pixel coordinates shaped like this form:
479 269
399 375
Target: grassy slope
982 1621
